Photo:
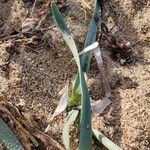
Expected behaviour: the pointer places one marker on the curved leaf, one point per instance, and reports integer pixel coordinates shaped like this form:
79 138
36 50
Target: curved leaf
85 119
65 32
85 141
70 120
105 141
90 39
99 60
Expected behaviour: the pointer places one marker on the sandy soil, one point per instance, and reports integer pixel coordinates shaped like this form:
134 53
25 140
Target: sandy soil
33 71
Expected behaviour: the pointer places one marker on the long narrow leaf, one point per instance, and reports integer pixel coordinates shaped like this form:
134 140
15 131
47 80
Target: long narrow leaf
105 141
99 106
99 60
85 141
91 37
65 32
70 120
98 56
8 137
85 119
75 97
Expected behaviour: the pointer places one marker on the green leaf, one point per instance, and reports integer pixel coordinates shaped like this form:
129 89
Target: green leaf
8 137
85 141
65 32
85 119
90 39
70 120
105 141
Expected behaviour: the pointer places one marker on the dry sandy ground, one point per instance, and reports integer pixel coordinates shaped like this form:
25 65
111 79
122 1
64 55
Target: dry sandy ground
34 72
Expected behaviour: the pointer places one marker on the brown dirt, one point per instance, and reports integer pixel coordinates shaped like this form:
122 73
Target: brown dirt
34 72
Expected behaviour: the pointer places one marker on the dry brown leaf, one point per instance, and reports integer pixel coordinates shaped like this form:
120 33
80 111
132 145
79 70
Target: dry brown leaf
62 105
99 106
26 130
29 24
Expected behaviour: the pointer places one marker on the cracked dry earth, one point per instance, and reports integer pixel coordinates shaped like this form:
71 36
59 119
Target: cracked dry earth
34 72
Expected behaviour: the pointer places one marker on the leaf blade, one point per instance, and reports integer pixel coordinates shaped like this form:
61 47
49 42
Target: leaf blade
65 32
85 119
70 120
91 37
104 140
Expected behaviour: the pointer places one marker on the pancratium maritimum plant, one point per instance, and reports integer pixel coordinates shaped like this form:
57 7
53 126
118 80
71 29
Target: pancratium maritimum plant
80 89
